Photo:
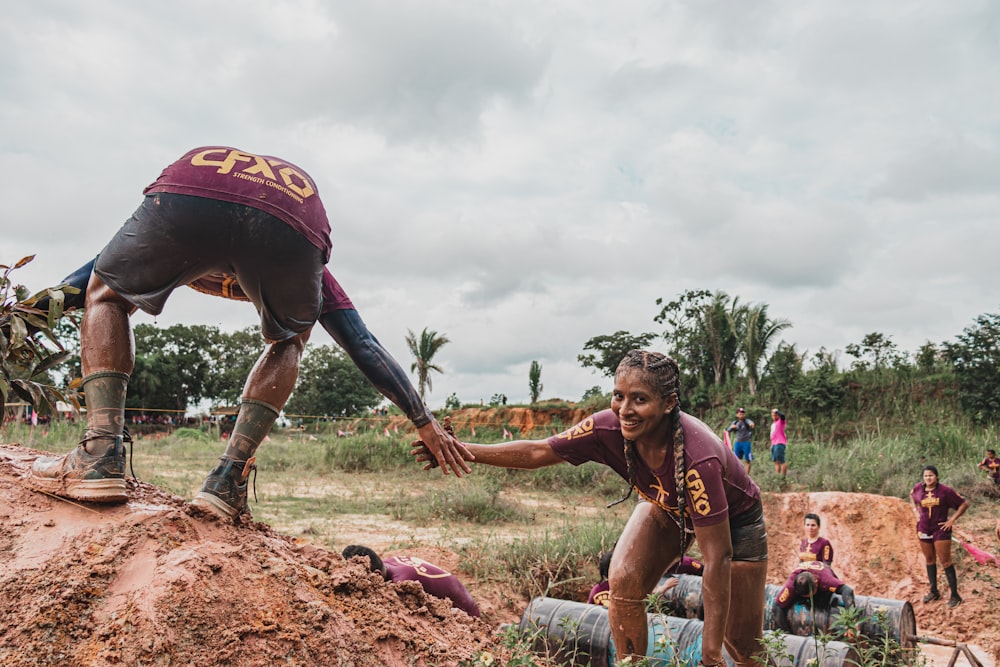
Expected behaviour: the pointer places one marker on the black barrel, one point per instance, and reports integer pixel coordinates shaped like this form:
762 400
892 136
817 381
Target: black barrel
575 633
572 633
882 616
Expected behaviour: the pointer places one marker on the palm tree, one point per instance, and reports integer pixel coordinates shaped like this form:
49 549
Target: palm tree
423 351
758 334
722 321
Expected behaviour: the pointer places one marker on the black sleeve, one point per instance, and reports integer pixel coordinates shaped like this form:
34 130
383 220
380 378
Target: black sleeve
78 279
781 617
374 361
847 595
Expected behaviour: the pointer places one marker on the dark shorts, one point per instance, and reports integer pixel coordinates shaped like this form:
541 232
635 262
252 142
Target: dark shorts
743 450
173 240
778 453
749 535
937 535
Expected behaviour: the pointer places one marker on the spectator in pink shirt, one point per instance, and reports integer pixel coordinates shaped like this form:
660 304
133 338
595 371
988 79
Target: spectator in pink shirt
778 442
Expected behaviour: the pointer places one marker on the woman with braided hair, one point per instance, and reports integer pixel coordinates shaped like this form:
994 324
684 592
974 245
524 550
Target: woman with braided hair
666 456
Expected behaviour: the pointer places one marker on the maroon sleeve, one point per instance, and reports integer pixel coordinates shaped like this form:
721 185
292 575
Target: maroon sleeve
334 296
706 493
787 596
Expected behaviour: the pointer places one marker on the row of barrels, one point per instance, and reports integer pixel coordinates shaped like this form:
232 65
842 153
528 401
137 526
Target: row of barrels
575 633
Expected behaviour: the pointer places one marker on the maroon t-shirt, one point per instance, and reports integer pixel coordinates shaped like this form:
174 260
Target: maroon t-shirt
825 579
261 181
437 582
820 550
992 464
933 505
688 565
600 594
717 483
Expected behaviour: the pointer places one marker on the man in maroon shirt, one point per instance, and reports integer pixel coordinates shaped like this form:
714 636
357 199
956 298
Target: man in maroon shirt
435 581
233 224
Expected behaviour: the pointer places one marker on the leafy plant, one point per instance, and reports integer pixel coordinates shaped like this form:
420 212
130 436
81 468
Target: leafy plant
25 322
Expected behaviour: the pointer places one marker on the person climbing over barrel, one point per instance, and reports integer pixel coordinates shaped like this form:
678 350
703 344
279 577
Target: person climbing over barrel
931 504
813 547
687 481
813 581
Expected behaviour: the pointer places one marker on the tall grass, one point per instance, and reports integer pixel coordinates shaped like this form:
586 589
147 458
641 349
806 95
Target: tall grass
883 463
561 562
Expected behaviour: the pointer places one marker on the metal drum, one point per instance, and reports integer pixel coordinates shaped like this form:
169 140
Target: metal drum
575 633
685 601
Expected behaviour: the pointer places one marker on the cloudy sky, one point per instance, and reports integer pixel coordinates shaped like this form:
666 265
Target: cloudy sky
522 175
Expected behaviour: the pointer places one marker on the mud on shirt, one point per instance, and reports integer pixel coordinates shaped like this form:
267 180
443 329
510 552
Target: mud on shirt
826 582
718 485
263 182
435 581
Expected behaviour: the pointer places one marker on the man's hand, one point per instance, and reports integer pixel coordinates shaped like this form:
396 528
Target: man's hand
437 448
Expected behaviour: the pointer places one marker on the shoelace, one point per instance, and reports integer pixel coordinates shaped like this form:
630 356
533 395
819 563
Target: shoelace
251 467
126 442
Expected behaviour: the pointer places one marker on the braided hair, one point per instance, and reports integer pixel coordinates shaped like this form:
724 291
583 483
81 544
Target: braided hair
661 373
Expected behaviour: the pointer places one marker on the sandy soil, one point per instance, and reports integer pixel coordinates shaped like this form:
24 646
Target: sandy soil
154 582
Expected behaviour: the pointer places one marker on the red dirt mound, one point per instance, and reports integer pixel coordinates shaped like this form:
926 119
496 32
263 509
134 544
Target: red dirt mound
154 583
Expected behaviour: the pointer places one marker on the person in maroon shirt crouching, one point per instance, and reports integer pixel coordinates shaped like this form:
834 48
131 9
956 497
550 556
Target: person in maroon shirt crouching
810 580
931 504
435 581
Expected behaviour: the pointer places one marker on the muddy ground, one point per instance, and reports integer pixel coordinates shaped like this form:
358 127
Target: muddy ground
155 582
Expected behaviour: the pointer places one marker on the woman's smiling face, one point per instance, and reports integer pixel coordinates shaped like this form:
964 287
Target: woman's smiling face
640 409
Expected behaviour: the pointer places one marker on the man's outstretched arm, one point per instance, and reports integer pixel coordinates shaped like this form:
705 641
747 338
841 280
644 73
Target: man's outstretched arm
347 328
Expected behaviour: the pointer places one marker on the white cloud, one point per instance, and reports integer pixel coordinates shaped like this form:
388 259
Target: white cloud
525 176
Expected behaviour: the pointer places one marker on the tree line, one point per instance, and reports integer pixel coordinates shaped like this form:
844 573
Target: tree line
728 351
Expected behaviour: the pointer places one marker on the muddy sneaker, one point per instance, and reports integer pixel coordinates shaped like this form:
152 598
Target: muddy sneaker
954 601
81 475
930 597
224 492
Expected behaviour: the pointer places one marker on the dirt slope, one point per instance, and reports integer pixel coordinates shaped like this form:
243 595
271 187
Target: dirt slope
155 583
876 552
149 583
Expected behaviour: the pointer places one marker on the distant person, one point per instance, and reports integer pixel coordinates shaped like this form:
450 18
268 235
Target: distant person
600 593
779 442
241 226
932 502
435 581
665 455
814 581
742 430
991 464
813 546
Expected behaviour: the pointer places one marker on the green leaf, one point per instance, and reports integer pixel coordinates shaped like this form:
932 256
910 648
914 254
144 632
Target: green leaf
56 301
50 362
18 331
